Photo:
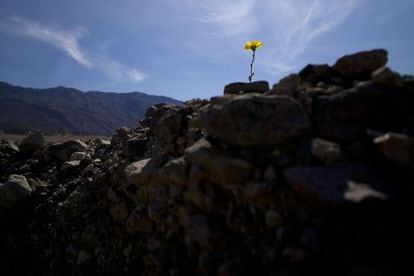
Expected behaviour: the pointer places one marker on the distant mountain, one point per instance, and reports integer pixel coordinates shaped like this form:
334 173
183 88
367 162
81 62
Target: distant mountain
62 109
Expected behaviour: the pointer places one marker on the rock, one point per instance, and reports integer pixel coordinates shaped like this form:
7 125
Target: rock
196 227
344 117
157 111
273 219
189 137
288 86
326 151
357 192
315 73
270 173
70 167
257 191
155 208
223 168
71 250
150 111
77 155
100 142
174 172
254 120
360 65
338 184
82 257
135 146
63 151
196 104
112 196
13 146
123 131
246 87
167 129
398 148
201 191
116 140
119 212
32 142
14 191
387 77
408 81
137 172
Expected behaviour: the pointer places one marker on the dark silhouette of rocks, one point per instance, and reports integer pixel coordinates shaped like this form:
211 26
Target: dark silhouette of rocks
312 177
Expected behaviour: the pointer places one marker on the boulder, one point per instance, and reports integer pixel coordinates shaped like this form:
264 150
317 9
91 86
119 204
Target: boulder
150 111
269 173
135 146
315 73
337 184
385 76
32 143
112 196
223 168
288 86
78 155
123 131
398 148
326 151
70 167
246 87
174 172
100 142
167 129
273 219
257 191
137 172
254 120
157 111
63 151
14 191
196 104
344 117
13 146
119 212
82 257
360 65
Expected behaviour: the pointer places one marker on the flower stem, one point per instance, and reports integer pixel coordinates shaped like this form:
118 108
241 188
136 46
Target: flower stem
251 66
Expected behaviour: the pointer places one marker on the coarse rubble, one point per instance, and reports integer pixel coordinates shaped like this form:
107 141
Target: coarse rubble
312 177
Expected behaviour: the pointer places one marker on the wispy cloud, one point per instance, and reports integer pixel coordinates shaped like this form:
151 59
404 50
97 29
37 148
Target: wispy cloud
296 25
68 42
231 17
135 75
287 27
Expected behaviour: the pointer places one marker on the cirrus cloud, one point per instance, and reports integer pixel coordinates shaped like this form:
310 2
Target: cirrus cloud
287 27
68 42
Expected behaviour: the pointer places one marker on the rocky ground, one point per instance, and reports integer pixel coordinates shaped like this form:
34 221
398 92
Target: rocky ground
52 138
311 177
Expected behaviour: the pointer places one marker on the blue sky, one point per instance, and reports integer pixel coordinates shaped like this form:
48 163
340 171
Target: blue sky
190 48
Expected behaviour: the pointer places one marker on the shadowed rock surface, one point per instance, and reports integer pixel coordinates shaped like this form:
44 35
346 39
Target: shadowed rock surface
313 177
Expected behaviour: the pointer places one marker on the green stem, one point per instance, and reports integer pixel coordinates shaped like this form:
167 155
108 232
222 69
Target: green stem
251 66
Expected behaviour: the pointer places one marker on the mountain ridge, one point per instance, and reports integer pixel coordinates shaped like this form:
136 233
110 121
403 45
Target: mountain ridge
66 109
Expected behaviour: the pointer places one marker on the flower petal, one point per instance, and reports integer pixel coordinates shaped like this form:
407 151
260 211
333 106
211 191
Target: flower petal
248 45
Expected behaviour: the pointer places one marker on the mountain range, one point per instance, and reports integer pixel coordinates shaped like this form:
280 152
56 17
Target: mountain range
61 109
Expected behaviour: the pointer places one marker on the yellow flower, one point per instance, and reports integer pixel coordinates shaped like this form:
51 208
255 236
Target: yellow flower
253 45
